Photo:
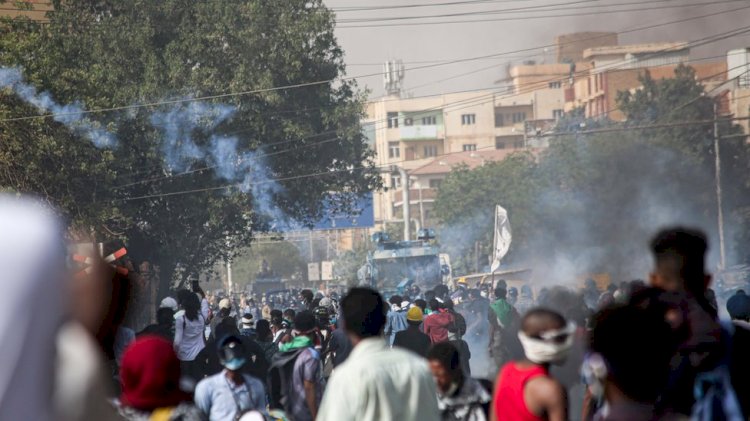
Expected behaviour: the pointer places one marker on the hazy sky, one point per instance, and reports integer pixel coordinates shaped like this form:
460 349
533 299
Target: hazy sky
368 47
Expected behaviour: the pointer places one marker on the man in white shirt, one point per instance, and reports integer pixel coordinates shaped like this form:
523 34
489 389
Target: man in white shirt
376 382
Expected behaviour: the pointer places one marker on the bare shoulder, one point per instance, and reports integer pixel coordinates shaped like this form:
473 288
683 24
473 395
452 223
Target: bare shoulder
544 389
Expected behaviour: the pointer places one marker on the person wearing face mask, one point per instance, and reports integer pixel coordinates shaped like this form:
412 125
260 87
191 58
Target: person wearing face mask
459 397
524 389
229 394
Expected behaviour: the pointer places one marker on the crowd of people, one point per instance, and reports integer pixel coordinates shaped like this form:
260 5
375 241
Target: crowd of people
654 350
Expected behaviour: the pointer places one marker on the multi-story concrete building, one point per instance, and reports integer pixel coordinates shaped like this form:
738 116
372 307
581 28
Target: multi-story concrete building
570 47
415 133
618 68
738 75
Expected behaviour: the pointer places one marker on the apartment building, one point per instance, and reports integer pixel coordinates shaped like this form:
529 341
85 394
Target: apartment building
618 68
411 133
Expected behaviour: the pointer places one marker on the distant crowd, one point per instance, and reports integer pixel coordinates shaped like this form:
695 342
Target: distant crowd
502 350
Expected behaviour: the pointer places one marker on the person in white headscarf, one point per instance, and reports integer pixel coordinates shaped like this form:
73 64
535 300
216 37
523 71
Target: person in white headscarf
547 339
33 260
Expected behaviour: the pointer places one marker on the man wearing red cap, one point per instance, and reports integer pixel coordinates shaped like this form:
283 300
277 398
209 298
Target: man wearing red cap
150 374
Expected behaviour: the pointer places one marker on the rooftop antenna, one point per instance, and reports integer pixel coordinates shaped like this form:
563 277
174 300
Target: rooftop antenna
393 77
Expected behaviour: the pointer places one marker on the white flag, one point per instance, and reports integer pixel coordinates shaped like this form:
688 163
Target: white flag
502 237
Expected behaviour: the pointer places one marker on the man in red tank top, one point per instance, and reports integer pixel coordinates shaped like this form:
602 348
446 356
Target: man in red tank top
524 389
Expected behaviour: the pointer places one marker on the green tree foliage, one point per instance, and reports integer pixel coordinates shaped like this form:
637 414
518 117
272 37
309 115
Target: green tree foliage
113 53
466 204
596 195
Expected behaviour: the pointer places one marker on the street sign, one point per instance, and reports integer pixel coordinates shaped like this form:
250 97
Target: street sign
313 272
326 271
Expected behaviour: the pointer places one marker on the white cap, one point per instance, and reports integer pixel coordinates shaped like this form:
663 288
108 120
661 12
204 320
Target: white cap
169 302
225 303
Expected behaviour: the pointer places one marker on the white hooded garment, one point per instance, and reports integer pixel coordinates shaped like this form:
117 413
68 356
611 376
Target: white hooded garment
32 258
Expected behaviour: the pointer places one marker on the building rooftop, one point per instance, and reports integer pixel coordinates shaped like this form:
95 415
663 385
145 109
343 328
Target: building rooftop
444 164
635 49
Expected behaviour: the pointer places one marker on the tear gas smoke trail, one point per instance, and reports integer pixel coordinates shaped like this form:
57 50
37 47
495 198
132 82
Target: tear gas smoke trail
181 125
70 114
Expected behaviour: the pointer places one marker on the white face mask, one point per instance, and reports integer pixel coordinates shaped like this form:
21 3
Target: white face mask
548 349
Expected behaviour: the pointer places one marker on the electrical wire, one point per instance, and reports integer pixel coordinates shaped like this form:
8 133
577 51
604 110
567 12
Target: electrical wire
307 84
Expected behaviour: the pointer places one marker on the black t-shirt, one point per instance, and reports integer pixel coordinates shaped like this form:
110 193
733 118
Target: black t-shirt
413 340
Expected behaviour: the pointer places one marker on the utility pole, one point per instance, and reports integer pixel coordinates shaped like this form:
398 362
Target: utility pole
405 193
720 211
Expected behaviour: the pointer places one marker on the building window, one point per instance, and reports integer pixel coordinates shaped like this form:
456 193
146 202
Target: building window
557 114
429 120
500 143
467 119
518 144
470 147
430 151
392 120
395 181
555 85
394 151
435 183
519 117
499 120
408 121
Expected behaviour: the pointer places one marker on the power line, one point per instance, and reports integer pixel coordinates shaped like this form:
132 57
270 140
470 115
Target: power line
321 82
517 18
351 169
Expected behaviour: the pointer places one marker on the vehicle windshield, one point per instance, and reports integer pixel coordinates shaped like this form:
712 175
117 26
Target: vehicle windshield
423 271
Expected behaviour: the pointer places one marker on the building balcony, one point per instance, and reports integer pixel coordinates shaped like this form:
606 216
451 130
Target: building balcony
432 132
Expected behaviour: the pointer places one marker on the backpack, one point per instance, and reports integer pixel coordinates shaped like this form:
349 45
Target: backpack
280 379
715 398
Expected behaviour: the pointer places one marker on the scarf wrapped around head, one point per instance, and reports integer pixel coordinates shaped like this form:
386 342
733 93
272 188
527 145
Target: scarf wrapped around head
553 347
150 375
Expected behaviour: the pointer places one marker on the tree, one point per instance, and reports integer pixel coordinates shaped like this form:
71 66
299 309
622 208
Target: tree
108 54
592 200
466 204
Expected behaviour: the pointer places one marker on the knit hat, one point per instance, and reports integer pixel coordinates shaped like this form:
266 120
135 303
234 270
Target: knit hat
247 319
414 314
225 303
150 375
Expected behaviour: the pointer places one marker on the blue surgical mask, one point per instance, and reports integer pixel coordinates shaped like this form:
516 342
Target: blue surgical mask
234 364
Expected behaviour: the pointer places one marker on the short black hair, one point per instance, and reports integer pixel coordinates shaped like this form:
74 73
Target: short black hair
276 313
421 304
289 314
364 312
682 251
434 304
262 329
304 321
500 292
396 299
447 355
637 344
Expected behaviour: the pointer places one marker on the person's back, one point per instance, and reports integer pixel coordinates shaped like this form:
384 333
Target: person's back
679 256
189 339
413 340
436 325
512 384
376 382
396 319
524 389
